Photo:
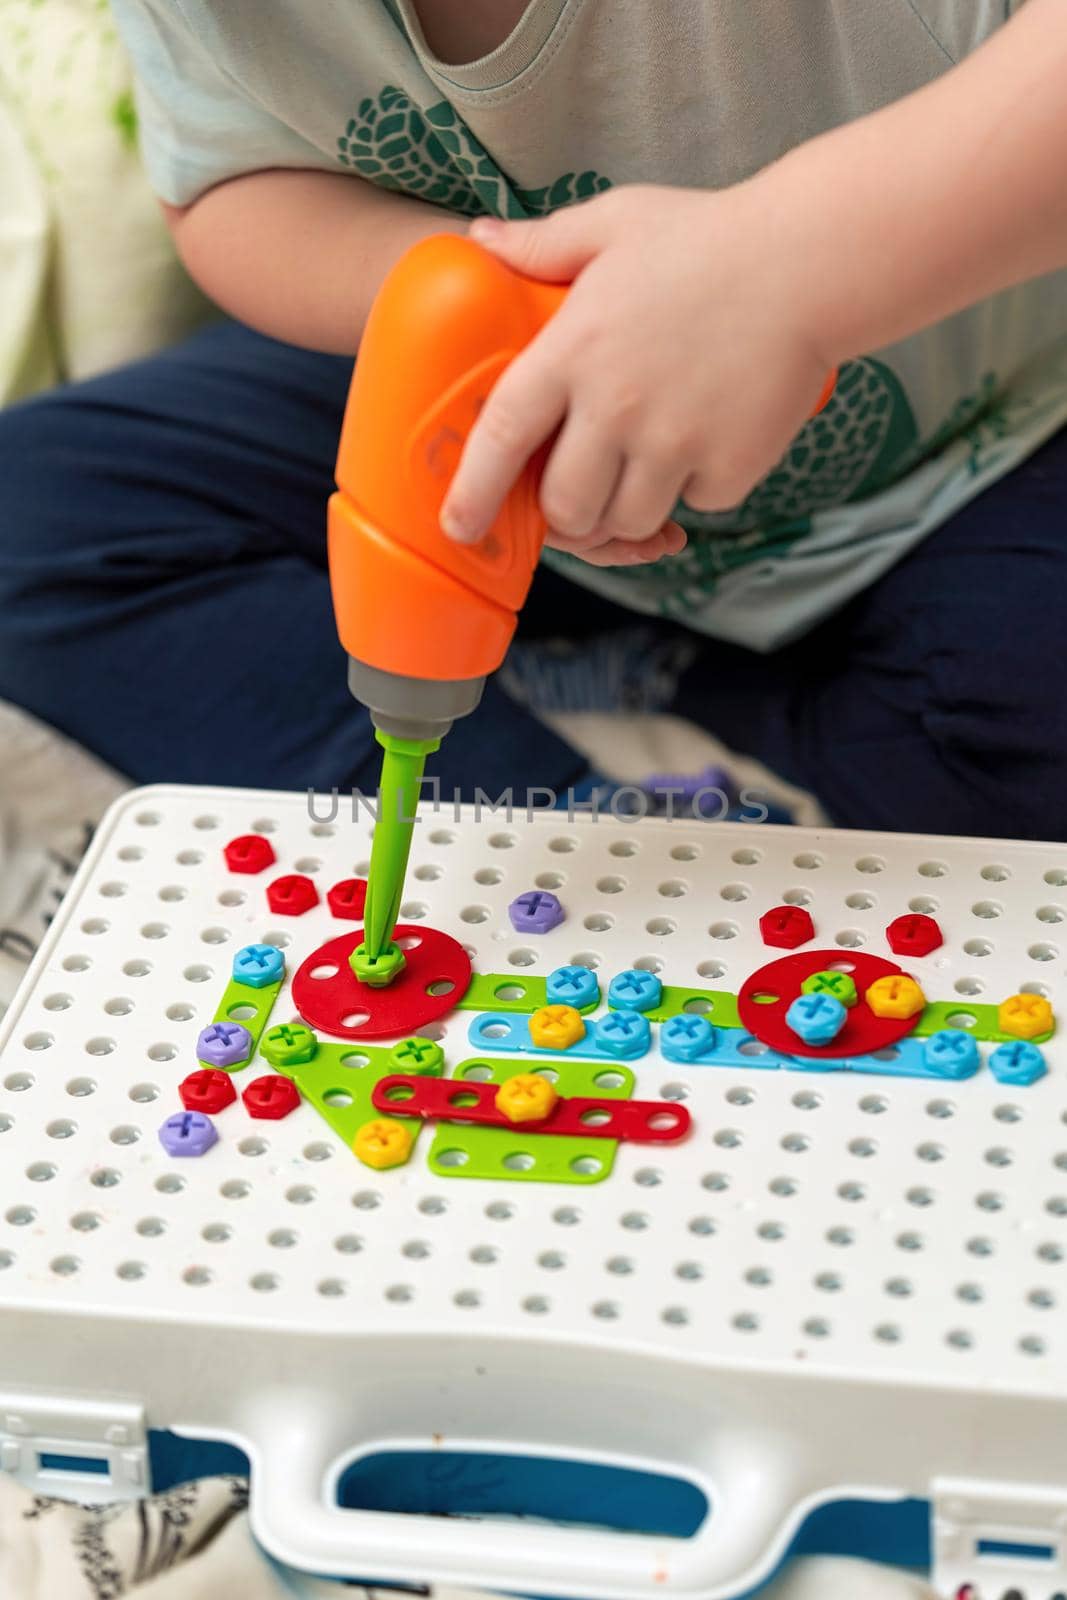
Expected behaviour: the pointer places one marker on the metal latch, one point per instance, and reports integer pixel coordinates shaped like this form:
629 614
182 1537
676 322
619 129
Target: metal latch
74 1449
998 1541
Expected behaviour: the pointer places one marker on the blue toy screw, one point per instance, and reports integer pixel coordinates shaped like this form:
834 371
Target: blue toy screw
625 1034
816 1018
635 990
952 1053
686 1038
188 1133
572 986
258 965
1018 1062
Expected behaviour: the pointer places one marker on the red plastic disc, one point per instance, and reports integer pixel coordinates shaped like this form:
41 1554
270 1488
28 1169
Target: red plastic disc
330 997
863 1032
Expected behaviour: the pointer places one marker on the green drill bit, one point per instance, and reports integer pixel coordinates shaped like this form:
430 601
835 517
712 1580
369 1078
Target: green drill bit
398 795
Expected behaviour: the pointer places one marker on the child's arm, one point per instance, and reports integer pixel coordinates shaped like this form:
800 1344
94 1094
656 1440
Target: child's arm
300 254
695 341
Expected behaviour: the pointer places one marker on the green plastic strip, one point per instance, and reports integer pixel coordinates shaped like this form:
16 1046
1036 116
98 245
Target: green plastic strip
462 1151
503 991
979 1021
339 1083
252 1008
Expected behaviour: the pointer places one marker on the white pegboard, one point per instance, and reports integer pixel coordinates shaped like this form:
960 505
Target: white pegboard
849 1280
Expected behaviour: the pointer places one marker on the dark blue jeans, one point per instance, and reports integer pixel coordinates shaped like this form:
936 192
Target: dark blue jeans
164 600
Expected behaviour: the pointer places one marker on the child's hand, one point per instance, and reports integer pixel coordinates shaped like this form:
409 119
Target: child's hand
681 365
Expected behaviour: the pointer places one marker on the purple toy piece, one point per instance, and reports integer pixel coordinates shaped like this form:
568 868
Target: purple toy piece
536 911
188 1133
224 1044
698 795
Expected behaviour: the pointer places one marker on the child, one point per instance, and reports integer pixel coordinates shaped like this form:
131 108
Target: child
770 190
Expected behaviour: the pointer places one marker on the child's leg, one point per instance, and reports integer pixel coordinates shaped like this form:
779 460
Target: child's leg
936 701
163 588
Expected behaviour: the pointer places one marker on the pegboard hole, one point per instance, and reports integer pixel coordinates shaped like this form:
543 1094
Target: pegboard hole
442 836
775 1232
131 852
20 1216
163 1051
475 914
711 969
193 974
829 1282
989 909
587 958
171 893
1043 952
41 1171
746 1322
414 910
502 841
599 922
496 1210
253 1146
978 948
189 858
86 1221
217 1233
232 1189
488 876
264 1282
39 1041
969 986
125 1134
284 1238
809 861
860 902
797 897
229 897
524 958
686 852
605 1310
850 938
151 1227
58 1002
611 885
95 926
80 1087
160 930
553 1260
660 927
399 1294
65 1266
197 1277
624 847
870 864
863 1148
537 1304
635 1221
724 930
346 1244
99 1046
933 869
77 964
544 880
467 1299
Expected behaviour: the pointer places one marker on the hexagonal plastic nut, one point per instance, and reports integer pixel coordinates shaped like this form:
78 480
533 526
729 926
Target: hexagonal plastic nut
838 984
624 1034
249 852
526 1098
1019 1062
290 1044
1025 1016
348 898
816 1018
422 1058
895 996
292 895
536 911
635 990
686 1037
377 971
383 1143
259 965
224 1044
914 935
208 1090
952 1053
786 927
188 1133
556 1027
270 1098
572 986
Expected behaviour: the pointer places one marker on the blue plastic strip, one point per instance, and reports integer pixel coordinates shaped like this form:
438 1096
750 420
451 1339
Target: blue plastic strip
733 1047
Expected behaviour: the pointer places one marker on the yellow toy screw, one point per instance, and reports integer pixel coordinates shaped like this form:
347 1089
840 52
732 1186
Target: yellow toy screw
383 1143
526 1098
895 996
1025 1016
556 1027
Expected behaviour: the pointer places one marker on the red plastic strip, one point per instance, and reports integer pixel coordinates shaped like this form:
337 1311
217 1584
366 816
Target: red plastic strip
447 1100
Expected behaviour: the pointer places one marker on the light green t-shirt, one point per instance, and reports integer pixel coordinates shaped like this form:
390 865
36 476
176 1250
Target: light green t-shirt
586 94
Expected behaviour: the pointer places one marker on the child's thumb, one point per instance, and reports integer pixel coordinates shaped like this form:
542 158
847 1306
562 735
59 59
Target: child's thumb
554 248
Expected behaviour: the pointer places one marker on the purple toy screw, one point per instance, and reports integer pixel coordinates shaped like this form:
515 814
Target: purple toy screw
536 911
224 1044
188 1133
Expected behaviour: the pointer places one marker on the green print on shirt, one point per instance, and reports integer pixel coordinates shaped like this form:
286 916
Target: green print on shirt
434 156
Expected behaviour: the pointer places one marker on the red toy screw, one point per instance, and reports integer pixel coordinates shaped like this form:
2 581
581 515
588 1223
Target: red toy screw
250 852
913 935
348 898
270 1098
208 1090
786 927
292 895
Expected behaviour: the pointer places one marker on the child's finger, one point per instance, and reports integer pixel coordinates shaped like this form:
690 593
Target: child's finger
578 482
527 404
647 493
669 540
